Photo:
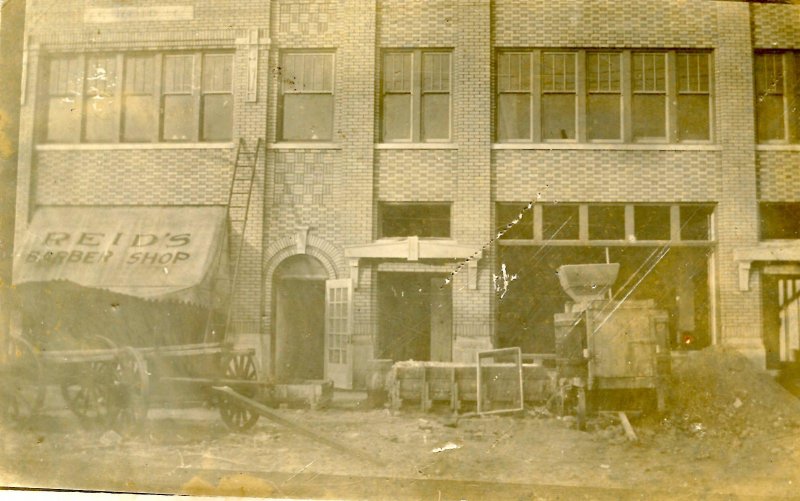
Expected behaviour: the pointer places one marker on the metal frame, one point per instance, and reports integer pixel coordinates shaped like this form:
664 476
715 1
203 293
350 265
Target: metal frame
517 352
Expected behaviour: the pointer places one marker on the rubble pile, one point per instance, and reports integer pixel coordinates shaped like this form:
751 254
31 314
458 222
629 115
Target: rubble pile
719 392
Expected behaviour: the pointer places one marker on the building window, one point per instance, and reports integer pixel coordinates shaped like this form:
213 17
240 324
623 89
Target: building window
777 82
611 225
415 96
307 96
415 219
582 96
139 97
779 221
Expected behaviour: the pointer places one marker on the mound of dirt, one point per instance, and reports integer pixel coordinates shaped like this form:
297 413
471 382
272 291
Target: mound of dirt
719 392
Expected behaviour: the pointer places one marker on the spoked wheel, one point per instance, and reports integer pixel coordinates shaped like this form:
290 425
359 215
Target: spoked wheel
130 391
23 386
242 367
88 390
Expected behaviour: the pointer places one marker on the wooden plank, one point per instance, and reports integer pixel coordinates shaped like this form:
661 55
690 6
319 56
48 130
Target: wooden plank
302 430
623 418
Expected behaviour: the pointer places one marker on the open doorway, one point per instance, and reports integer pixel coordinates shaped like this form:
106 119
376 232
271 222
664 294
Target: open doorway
299 319
416 317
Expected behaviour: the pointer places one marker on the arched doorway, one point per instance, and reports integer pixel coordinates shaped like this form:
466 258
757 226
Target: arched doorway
299 319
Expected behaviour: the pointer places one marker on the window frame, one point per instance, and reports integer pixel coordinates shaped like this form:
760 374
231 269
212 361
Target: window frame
121 93
280 132
583 92
535 218
416 112
790 75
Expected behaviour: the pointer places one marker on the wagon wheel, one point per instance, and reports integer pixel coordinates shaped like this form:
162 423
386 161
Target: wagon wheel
236 417
131 390
23 388
88 390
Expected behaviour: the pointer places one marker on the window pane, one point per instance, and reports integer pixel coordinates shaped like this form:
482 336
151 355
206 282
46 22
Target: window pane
780 220
307 117
63 120
514 72
217 72
606 222
649 116
558 71
649 72
397 72
101 119
603 120
603 72
558 116
140 122
651 222
693 116
769 115
436 116
308 73
139 76
178 118
178 74
513 116
217 117
65 76
692 72
396 117
435 72
696 222
507 214
769 74
560 222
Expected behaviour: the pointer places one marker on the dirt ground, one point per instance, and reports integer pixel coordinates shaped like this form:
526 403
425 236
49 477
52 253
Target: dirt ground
730 429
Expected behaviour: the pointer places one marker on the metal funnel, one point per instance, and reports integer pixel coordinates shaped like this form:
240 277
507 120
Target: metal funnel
587 282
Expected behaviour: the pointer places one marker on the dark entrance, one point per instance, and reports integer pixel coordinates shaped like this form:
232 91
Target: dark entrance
781 307
415 317
299 319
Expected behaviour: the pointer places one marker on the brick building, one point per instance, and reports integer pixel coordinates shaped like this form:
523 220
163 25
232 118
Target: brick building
402 138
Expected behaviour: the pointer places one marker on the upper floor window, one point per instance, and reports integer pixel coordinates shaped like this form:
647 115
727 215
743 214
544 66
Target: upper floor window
415 96
306 96
603 95
779 220
777 85
139 97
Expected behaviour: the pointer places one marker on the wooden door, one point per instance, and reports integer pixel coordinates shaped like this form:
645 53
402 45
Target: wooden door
338 332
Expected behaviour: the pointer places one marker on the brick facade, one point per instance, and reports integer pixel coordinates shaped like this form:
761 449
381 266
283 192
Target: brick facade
319 199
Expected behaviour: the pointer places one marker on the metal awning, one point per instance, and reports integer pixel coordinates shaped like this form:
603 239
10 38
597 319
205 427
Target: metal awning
154 253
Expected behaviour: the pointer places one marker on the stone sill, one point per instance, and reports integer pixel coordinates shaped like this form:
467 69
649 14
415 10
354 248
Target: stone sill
778 147
132 146
416 146
304 146
608 146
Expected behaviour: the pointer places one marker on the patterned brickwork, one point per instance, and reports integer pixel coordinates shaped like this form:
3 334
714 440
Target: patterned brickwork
133 177
417 24
607 175
779 176
302 177
307 24
776 26
416 175
605 23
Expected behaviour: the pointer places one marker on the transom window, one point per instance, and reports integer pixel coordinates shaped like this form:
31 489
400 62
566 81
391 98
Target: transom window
605 224
414 219
415 96
777 82
603 95
307 96
139 97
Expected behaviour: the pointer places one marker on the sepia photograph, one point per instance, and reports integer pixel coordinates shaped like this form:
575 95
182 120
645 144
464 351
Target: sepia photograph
400 249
